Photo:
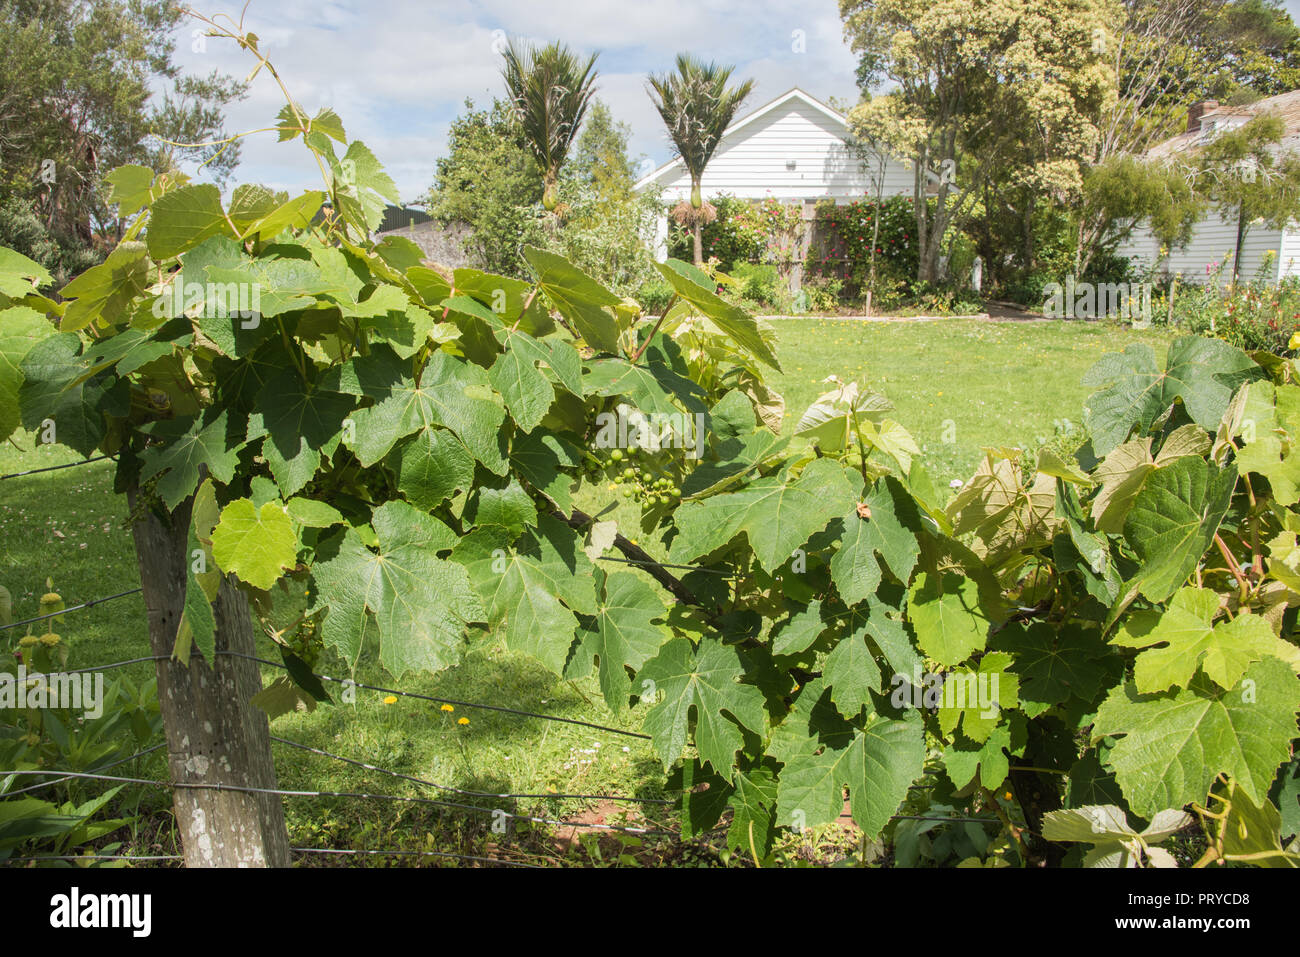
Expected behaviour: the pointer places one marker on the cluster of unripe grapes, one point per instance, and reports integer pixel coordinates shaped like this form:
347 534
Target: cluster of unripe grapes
636 478
304 642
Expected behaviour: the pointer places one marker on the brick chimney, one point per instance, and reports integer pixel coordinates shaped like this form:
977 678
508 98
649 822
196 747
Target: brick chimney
1198 110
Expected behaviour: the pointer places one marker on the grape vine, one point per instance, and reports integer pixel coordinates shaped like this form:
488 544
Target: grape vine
384 456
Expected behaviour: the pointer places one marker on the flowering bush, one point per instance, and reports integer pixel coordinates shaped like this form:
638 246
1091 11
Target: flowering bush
734 237
845 231
1251 315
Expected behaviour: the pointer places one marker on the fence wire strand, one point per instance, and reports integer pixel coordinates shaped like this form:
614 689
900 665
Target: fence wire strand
85 604
467 793
356 795
55 468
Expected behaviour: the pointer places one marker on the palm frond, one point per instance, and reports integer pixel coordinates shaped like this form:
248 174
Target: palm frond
550 89
697 106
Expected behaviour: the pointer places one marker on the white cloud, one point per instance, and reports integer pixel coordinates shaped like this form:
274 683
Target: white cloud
398 71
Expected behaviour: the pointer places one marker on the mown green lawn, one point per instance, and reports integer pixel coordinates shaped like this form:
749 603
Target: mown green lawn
996 382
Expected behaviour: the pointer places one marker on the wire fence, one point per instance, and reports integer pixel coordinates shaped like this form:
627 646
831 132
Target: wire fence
55 468
498 814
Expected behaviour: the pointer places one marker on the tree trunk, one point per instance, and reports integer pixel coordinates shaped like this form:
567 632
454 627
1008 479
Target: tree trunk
699 245
214 735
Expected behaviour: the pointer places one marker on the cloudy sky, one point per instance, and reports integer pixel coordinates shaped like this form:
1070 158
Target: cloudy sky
399 71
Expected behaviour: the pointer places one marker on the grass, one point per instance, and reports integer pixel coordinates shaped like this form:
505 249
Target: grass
996 383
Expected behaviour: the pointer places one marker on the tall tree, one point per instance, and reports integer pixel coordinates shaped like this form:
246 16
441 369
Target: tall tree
608 224
977 89
697 106
1163 55
85 86
489 181
550 89
1244 173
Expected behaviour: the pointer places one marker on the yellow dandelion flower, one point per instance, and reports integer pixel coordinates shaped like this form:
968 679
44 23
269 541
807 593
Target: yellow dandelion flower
462 720
390 699
448 707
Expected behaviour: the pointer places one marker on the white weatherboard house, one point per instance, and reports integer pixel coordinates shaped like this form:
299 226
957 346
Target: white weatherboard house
1215 239
793 149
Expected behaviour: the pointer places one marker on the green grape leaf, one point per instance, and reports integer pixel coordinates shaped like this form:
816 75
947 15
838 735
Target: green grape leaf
20 276
851 672
502 503
1173 521
361 186
964 759
539 458
431 466
797 633
944 608
1135 391
102 293
1252 832
753 810
452 393
255 544
291 473
311 513
777 515
890 531
976 697
1173 746
527 392
505 298
198 625
651 386
531 591
1269 423
20 329
877 762
297 213
1187 639
623 634
1054 662
706 681
577 297
283 697
54 388
187 447
297 414
421 603
182 218
732 320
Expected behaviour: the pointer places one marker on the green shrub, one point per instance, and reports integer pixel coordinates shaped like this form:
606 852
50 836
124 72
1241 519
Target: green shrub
759 283
732 238
823 293
654 296
844 235
1255 314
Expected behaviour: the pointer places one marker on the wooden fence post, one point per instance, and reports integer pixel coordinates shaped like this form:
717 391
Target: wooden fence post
214 735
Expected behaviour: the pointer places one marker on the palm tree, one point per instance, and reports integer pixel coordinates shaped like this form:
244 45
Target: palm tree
549 89
697 106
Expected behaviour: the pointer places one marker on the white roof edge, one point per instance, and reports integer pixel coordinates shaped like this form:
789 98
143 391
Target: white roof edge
793 93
